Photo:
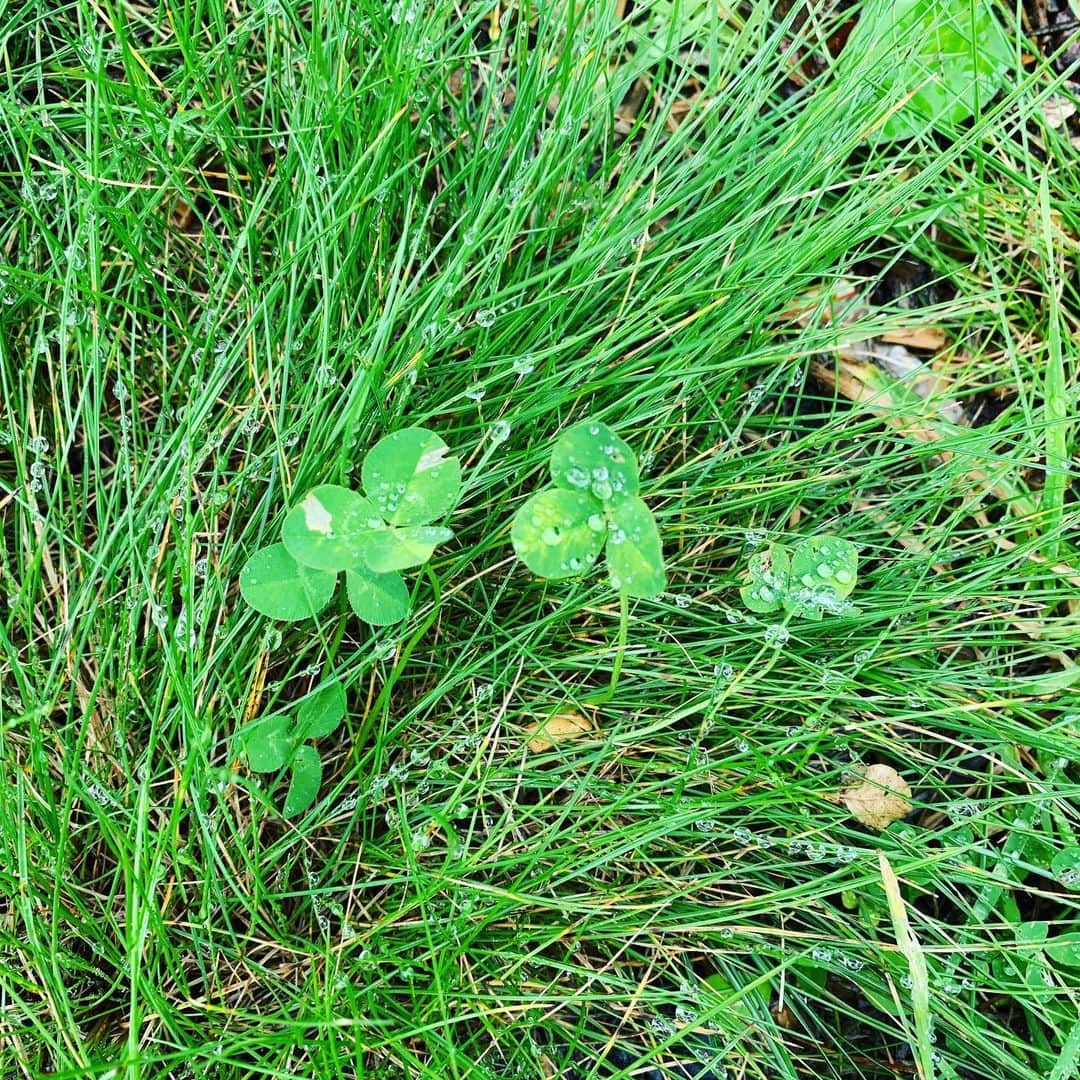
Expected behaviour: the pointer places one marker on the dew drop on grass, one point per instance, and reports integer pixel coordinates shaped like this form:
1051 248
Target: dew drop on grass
524 365
475 393
500 432
485 317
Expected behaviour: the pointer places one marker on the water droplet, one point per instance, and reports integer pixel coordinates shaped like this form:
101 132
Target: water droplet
550 536
475 392
38 445
824 570
500 432
524 365
485 317
577 477
845 577
596 523
75 256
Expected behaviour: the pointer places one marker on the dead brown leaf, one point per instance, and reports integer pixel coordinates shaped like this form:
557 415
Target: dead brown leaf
562 727
880 797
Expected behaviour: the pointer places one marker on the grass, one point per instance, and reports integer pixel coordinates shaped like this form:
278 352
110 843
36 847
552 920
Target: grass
244 241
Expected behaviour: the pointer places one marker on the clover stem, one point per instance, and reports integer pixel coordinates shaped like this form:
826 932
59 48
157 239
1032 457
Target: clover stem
620 651
624 628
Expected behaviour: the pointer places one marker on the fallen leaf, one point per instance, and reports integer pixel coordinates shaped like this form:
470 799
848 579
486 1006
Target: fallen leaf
880 797
545 734
1057 110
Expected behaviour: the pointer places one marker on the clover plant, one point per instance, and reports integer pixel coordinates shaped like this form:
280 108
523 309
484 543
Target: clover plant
273 742
593 506
949 57
816 577
409 481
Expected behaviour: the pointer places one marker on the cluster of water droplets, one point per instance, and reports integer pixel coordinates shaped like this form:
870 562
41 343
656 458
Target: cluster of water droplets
387 497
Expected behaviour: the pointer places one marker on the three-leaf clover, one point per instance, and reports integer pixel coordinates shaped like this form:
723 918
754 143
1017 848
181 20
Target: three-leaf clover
276 741
594 505
409 480
817 577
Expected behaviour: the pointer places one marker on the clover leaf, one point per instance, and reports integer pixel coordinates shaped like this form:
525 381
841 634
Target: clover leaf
268 743
275 584
770 575
379 599
634 556
409 480
410 477
327 529
321 711
560 531
306 778
817 577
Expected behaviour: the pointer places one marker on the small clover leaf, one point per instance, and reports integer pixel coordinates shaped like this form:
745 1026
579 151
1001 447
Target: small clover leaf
327 529
321 711
410 478
816 578
379 599
559 533
770 573
306 778
590 457
268 743
277 586
634 556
